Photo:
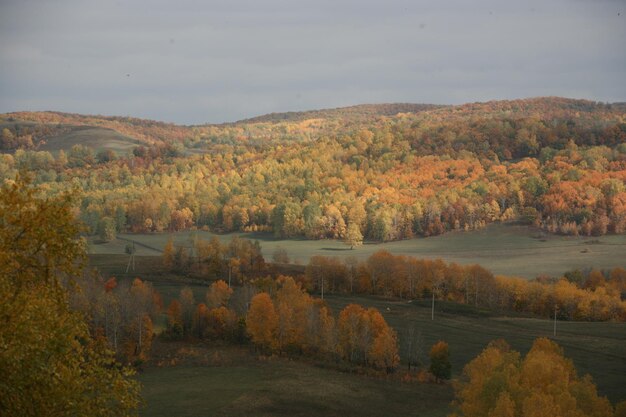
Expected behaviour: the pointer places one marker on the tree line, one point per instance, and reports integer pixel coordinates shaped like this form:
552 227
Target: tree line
595 295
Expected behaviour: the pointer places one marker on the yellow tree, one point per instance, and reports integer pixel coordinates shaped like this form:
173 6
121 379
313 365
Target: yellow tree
262 321
350 328
292 306
50 365
384 350
218 294
497 383
353 236
168 254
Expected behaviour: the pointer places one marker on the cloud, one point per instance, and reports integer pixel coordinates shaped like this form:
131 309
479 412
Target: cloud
197 61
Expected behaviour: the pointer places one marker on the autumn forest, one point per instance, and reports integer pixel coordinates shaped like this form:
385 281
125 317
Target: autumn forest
388 322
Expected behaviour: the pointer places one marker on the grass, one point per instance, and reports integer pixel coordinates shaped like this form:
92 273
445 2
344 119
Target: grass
504 249
148 268
97 138
284 388
275 387
598 349
292 388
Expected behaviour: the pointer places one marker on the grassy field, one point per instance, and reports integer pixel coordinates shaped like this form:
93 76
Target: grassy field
503 249
598 349
97 138
284 388
274 388
242 386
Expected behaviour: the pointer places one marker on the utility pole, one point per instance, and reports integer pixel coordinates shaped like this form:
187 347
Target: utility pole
131 260
555 320
230 268
432 310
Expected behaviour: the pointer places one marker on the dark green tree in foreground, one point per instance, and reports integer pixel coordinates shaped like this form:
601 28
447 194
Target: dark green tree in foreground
440 365
49 363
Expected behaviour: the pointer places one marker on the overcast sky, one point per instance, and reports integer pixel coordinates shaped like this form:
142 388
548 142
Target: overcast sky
194 62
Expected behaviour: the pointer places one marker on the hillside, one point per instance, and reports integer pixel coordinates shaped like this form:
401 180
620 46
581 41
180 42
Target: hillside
54 131
556 163
359 112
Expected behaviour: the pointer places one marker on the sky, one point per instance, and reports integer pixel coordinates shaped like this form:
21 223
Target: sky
205 61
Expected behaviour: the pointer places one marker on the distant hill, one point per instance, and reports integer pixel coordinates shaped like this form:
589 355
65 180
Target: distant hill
97 138
394 170
351 112
53 131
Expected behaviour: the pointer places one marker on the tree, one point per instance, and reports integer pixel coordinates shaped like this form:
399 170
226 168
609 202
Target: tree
49 363
168 254
364 336
187 307
262 321
105 155
384 350
292 306
354 236
280 255
106 229
221 322
350 329
440 365
498 383
175 320
218 294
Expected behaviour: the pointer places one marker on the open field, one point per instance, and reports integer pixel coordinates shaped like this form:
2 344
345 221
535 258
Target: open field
97 138
244 386
504 249
284 388
598 349
292 388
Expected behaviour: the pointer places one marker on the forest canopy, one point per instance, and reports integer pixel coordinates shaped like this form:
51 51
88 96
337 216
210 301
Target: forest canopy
384 173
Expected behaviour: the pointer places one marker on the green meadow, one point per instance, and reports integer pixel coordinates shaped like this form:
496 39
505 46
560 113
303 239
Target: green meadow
284 388
245 386
502 248
290 387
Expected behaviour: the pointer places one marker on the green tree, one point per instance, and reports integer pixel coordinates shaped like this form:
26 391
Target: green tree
440 365
107 229
49 363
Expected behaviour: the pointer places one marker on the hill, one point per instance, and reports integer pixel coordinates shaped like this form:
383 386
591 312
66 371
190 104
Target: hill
54 131
358 112
555 163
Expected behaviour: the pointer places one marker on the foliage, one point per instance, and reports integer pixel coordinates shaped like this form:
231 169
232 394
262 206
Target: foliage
555 163
106 229
594 296
440 365
262 321
353 236
500 383
364 337
49 363
218 294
